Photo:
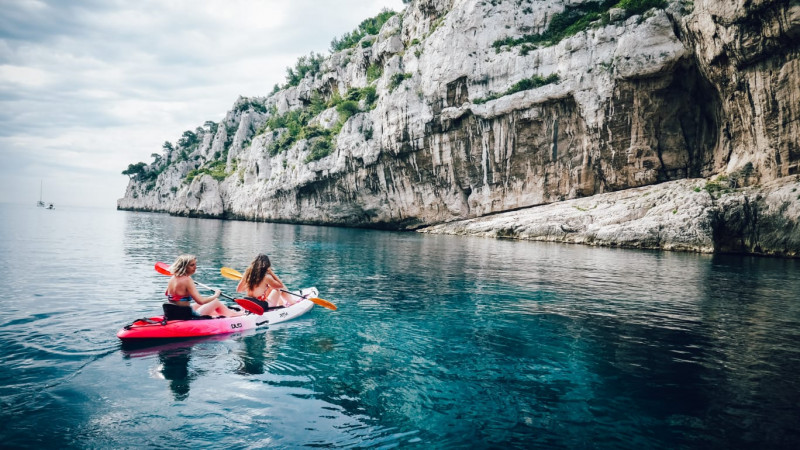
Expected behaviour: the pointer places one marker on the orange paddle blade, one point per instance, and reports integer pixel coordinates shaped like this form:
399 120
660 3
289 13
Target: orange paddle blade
163 269
322 302
231 274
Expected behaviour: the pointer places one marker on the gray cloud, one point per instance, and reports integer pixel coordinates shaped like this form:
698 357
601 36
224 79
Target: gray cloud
43 21
90 86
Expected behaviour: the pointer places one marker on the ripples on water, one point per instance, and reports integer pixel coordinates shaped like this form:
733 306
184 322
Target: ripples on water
439 342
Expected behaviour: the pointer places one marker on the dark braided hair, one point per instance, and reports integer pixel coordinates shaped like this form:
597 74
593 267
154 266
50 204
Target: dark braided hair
257 271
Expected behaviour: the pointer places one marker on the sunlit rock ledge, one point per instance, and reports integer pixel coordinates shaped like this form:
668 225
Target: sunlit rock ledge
683 215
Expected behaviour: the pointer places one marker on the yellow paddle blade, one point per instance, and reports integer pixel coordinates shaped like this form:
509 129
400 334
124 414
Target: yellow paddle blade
231 274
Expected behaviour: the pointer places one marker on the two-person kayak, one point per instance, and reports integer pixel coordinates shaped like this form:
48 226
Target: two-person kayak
158 328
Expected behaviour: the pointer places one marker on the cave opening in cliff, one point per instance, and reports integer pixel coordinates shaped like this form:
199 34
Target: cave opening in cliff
698 108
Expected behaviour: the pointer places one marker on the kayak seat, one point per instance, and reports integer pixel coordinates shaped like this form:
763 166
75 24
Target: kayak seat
177 312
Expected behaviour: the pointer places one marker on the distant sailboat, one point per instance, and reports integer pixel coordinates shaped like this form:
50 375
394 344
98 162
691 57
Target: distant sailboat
40 203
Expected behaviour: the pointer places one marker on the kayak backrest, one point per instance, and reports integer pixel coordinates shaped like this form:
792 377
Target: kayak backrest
177 312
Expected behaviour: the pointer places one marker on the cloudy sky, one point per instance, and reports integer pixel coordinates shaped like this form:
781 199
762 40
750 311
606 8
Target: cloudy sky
90 86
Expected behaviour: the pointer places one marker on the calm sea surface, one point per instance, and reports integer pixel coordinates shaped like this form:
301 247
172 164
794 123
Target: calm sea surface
439 342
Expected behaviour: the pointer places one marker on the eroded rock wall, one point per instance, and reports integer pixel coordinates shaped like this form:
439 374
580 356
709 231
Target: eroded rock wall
749 53
692 90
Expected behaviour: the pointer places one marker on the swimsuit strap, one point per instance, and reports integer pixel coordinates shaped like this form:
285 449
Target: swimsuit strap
172 298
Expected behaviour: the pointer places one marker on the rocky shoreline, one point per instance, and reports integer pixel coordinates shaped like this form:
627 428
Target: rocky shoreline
696 215
701 215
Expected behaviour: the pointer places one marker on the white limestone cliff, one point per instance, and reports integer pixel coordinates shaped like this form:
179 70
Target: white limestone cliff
693 90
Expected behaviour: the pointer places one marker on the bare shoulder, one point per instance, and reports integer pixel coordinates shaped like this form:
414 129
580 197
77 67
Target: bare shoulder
272 280
185 282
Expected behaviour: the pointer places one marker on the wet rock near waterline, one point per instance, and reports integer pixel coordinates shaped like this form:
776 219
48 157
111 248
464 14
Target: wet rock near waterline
678 215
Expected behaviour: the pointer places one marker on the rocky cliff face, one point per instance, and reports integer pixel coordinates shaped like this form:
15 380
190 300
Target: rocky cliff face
483 108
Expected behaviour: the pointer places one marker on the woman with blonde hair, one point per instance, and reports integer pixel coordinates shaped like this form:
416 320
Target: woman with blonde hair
260 282
181 290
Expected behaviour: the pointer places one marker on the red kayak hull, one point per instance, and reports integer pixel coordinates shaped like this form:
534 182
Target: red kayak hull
154 328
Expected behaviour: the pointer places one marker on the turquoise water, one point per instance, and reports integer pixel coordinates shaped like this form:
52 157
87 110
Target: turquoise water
439 342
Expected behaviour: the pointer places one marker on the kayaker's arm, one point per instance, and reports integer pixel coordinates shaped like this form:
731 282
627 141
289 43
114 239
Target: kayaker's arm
192 288
242 286
273 281
275 286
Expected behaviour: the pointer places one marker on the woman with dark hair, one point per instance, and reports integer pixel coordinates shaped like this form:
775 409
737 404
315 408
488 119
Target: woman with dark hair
260 282
181 290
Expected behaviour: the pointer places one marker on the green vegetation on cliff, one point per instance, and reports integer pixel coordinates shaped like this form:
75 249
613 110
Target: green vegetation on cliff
727 183
188 143
575 19
215 168
311 64
305 65
249 104
397 79
633 7
524 85
134 170
294 126
365 28
288 128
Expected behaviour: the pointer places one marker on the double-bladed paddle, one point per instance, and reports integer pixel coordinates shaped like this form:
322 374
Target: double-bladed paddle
233 274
